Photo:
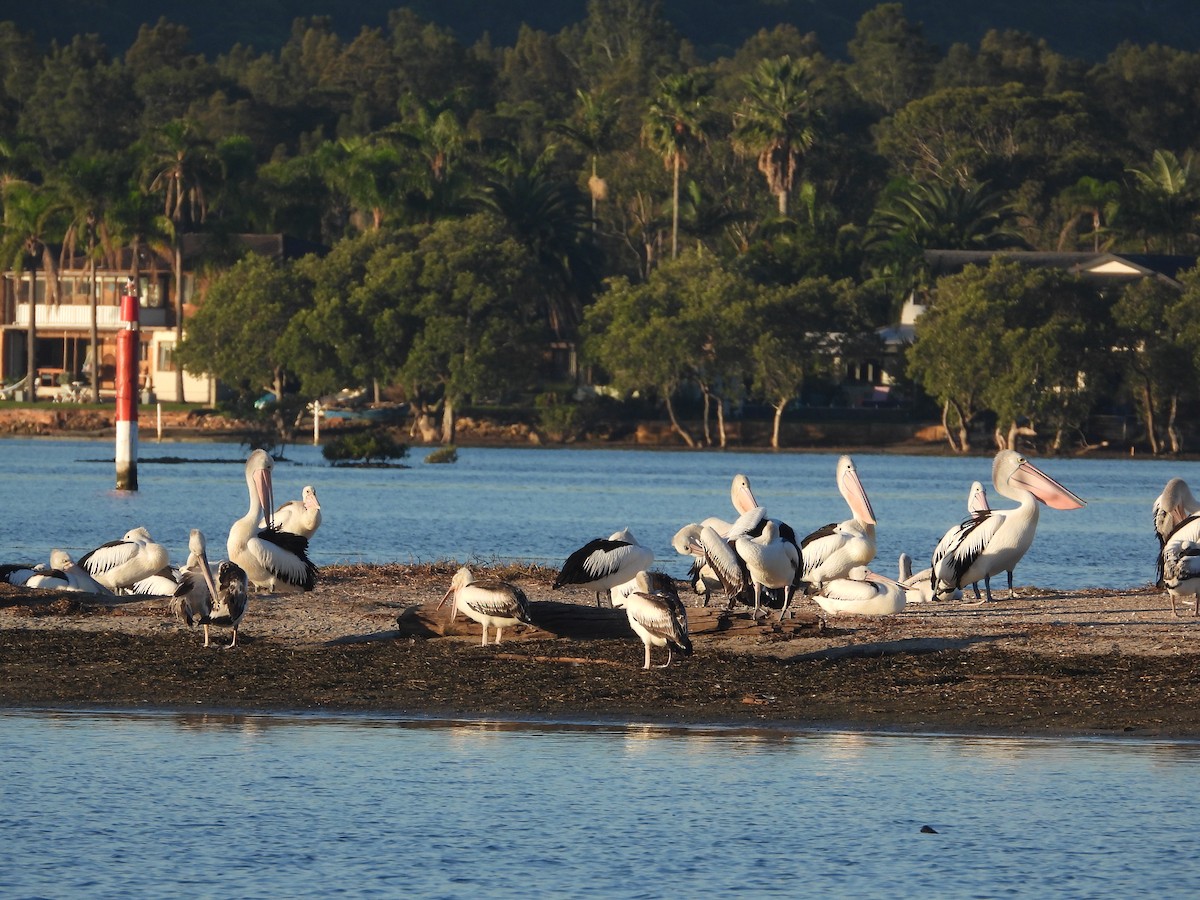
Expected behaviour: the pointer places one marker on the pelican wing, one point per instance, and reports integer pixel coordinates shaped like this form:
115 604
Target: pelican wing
724 561
968 543
109 556
662 615
285 555
597 559
498 598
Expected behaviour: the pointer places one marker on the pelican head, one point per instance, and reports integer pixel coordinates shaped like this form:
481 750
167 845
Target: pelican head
461 579
852 490
1011 470
258 479
309 497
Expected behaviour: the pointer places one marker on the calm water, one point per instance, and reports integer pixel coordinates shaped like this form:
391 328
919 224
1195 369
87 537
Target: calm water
540 504
100 805
153 805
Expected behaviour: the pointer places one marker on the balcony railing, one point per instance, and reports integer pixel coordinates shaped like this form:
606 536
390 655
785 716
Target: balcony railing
73 316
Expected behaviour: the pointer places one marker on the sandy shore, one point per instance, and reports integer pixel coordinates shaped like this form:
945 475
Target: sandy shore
1110 663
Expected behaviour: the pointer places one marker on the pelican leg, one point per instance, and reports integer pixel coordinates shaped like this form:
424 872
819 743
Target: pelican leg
499 631
987 587
975 587
787 603
205 627
668 662
483 643
1011 592
647 665
232 643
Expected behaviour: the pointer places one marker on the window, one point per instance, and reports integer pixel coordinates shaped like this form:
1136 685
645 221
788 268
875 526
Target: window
166 357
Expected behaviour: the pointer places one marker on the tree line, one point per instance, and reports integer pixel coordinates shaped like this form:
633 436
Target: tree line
727 230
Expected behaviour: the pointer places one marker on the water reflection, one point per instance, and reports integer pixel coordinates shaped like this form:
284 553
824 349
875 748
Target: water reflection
113 804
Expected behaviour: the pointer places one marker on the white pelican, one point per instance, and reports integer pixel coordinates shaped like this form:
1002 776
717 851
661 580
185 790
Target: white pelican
38 576
701 577
226 606
1171 508
995 541
489 602
196 589
656 614
1179 563
302 517
19 573
602 564
273 560
864 593
918 588
118 565
770 561
743 501
921 584
831 552
77 576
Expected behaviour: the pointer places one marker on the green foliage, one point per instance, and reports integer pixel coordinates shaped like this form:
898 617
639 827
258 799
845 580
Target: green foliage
558 420
364 446
448 454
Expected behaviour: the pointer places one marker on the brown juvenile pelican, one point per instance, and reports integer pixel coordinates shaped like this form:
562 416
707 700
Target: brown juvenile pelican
224 607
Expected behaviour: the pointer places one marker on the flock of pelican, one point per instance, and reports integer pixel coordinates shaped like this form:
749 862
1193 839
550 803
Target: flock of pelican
267 548
760 561
751 559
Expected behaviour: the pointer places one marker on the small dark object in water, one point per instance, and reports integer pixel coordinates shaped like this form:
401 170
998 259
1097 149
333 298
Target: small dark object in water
925 829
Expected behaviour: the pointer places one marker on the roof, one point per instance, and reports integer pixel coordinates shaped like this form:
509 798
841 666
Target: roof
1096 266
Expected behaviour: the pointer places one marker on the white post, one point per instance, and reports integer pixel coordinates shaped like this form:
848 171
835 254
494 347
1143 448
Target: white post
316 411
159 423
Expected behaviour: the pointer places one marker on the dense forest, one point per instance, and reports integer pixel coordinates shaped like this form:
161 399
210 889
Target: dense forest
719 230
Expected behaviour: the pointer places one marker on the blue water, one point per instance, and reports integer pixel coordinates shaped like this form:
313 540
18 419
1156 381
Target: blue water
157 805
538 505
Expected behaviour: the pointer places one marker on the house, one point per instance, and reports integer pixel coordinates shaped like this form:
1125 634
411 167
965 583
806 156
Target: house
1101 268
63 317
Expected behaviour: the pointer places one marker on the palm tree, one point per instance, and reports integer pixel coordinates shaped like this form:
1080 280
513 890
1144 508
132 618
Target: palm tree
1166 200
32 218
593 128
674 121
1094 199
178 166
364 170
549 217
87 185
777 122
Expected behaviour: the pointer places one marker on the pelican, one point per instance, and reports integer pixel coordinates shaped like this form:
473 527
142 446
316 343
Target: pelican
1171 508
864 593
743 501
195 588
1179 563
118 565
770 561
719 557
489 602
35 576
656 614
77 576
602 564
273 560
226 606
701 576
832 551
918 588
977 505
19 573
995 541
302 517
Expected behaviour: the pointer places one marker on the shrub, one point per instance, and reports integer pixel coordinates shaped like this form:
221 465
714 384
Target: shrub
446 454
365 446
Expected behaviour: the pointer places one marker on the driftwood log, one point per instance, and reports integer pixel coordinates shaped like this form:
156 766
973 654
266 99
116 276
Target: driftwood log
580 622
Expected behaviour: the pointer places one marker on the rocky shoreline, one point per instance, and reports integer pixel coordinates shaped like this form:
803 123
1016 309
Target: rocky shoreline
368 640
